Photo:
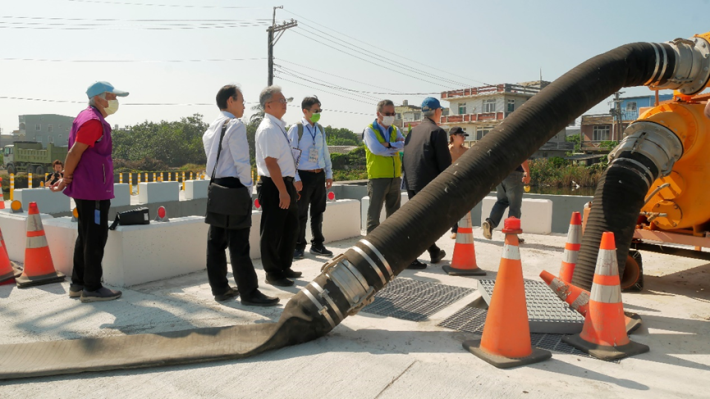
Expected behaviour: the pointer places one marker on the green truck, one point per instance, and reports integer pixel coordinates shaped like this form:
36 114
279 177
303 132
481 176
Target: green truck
30 157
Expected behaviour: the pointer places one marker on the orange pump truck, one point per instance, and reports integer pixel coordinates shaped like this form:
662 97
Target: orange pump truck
675 216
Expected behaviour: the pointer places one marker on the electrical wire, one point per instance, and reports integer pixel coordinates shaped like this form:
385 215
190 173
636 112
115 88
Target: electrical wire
366 60
334 86
314 88
331 74
132 61
94 26
368 53
380 48
324 84
162 5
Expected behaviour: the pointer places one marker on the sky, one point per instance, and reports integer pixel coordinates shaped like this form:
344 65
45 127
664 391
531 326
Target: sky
173 55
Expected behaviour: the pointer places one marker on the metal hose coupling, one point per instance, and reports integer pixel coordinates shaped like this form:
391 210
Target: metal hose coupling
655 142
692 66
342 289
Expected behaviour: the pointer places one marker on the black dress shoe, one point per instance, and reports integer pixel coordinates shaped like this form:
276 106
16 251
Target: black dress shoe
230 293
281 282
322 250
257 298
416 265
438 257
292 274
298 254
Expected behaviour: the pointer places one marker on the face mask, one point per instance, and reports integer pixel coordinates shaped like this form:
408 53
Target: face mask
388 120
315 118
112 107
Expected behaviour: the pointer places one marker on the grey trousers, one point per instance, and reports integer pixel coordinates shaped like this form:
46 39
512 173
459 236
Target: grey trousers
382 191
509 193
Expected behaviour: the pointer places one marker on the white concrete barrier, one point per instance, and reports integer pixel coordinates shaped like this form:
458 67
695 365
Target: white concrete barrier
122 195
47 200
14 232
144 253
159 192
536 215
365 203
195 189
61 238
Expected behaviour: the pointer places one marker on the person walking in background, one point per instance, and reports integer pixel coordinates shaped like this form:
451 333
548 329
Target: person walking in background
457 136
426 155
88 179
383 141
55 176
277 190
227 151
509 193
315 172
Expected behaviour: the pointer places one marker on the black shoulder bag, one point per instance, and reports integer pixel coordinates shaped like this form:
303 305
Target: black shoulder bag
227 207
131 217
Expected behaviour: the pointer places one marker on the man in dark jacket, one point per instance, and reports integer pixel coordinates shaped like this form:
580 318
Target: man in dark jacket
426 154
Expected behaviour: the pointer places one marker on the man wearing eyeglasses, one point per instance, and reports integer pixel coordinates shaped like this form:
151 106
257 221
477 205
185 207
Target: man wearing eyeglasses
315 174
277 190
383 142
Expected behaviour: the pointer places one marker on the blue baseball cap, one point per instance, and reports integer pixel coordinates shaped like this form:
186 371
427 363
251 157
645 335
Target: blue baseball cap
104 87
430 103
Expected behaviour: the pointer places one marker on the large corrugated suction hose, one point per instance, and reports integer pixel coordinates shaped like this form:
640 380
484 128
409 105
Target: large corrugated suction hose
350 281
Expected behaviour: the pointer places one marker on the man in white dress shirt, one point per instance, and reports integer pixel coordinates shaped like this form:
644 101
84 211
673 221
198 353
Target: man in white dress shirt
233 170
277 190
315 173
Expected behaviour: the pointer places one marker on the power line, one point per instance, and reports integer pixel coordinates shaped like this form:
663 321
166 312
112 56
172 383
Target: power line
368 53
331 74
89 26
335 94
161 5
334 86
368 61
325 84
131 20
132 61
388 51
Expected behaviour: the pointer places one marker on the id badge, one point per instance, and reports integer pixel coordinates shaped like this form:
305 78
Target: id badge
313 155
97 216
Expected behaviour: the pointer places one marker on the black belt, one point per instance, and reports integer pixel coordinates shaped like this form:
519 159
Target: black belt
286 178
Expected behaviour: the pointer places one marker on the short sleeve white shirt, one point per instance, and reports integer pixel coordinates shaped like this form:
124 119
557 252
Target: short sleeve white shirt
272 142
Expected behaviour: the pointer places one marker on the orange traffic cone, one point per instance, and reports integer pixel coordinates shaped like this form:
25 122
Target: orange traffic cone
604 334
574 242
7 273
578 299
506 334
463 262
39 268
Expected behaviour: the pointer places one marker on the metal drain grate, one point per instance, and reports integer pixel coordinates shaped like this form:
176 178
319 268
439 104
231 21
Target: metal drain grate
470 319
546 312
414 300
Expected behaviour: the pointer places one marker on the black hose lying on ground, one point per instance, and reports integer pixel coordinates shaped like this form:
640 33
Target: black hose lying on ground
384 253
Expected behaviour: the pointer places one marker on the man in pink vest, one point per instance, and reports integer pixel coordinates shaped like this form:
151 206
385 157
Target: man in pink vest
88 179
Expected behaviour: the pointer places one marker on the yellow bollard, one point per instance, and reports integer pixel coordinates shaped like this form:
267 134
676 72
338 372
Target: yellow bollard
12 186
138 185
130 183
162 176
183 181
29 180
120 178
154 178
41 184
146 177
191 176
45 177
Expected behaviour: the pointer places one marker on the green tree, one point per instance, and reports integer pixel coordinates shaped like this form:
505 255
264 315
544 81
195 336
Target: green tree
340 136
576 140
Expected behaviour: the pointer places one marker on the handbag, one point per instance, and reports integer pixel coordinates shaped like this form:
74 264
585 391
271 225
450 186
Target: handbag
227 207
131 217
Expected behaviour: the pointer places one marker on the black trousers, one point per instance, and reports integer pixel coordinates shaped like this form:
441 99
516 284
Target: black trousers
433 249
279 227
90 243
218 240
313 194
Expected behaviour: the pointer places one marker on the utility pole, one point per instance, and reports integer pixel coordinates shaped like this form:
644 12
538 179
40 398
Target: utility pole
272 30
618 118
